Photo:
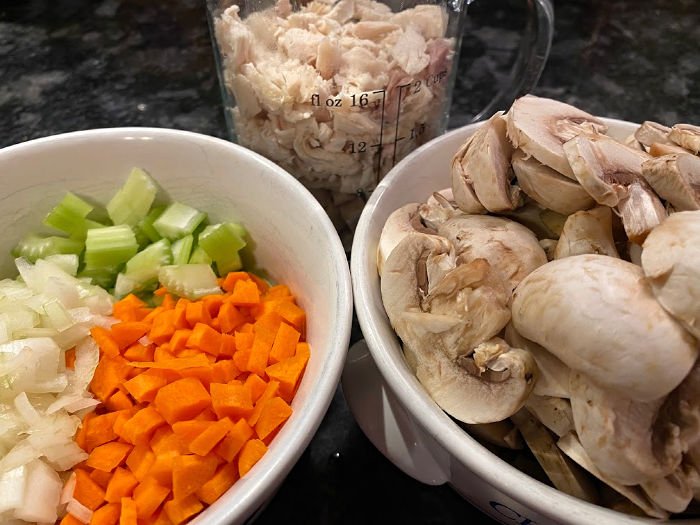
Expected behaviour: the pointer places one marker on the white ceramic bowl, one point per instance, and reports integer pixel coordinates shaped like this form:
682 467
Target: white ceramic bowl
390 404
294 240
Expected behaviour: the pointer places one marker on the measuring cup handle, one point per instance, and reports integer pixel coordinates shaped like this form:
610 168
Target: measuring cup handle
532 56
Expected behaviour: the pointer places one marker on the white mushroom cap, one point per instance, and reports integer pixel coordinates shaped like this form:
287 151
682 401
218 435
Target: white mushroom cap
686 136
539 126
671 263
620 435
676 178
650 132
400 223
548 187
587 232
599 316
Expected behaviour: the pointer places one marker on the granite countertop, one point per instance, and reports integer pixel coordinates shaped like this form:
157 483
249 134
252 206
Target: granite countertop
75 64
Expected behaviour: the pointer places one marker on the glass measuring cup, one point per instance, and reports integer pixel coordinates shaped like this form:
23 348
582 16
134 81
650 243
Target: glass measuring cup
338 91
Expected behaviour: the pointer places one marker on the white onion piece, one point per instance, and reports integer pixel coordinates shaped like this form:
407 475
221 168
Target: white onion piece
26 410
42 494
68 489
12 485
79 511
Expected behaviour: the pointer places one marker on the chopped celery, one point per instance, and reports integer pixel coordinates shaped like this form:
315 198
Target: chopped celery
191 281
148 260
178 220
33 247
69 215
109 246
222 243
102 276
199 256
145 225
182 248
134 199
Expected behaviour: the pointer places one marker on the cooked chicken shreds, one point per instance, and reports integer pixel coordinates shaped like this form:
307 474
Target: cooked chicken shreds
312 85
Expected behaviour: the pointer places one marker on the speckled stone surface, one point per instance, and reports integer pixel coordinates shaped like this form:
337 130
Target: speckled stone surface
75 64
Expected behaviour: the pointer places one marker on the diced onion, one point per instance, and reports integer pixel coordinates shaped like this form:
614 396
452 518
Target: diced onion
79 511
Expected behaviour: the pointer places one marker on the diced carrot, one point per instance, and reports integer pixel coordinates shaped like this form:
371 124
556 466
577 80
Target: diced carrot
203 373
234 440
271 390
168 301
81 434
106 515
245 293
122 417
293 314
139 428
224 371
285 343
148 496
163 327
162 468
109 456
129 514
250 454
191 472
162 353
110 372
140 460
160 291
230 318
287 372
175 363
180 510
265 329
153 313
165 440
87 491
213 303
103 338
197 312
256 385
188 430
161 518
139 352
212 435
179 339
101 477
180 314
126 333
228 345
274 412
99 429
119 401
143 387
217 485
181 399
129 308
205 338
231 399
278 291
121 485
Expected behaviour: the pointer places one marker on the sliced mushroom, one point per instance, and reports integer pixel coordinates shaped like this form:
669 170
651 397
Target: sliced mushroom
438 208
554 375
650 132
549 246
633 143
612 174
686 136
553 412
548 187
540 126
571 446
499 433
671 263
462 184
484 166
587 232
599 316
658 149
511 249
400 223
676 178
623 437
446 315
672 493
544 223
564 474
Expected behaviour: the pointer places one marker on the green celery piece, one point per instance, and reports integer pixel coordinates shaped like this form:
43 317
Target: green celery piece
178 220
145 225
133 200
102 276
109 246
125 284
145 264
182 249
199 256
192 281
33 247
69 215
222 243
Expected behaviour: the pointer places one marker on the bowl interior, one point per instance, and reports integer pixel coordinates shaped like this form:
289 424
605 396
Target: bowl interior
412 180
294 240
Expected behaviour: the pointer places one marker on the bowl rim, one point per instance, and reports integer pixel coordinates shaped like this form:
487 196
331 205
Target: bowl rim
526 490
260 489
